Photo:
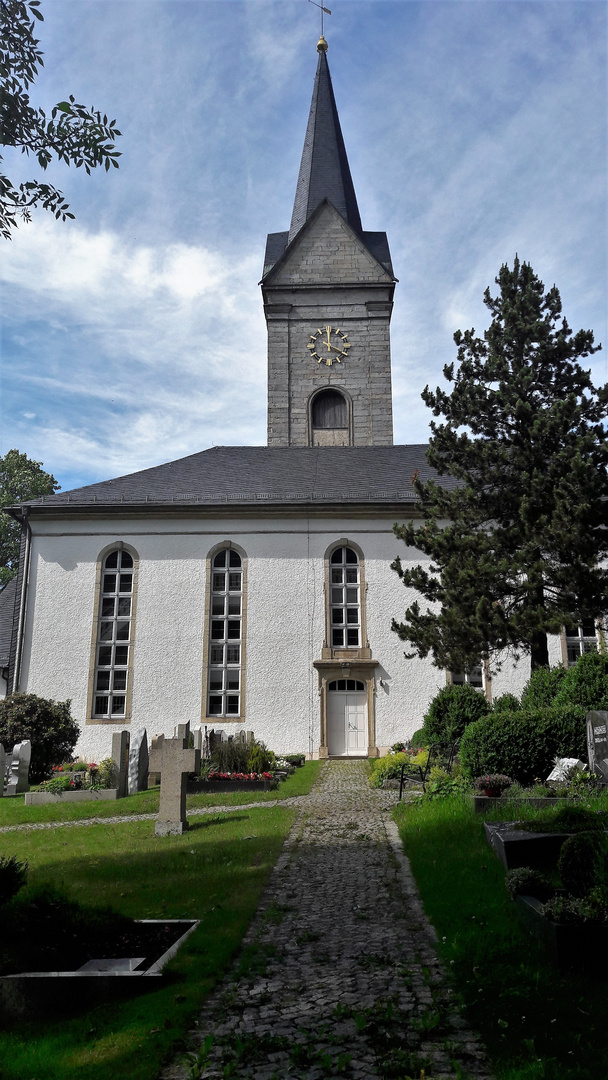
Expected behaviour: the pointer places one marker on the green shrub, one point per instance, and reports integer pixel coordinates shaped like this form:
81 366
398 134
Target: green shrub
571 909
260 759
12 877
542 687
107 773
523 744
522 881
295 759
387 768
506 703
451 711
573 818
585 683
231 756
419 740
47 724
583 863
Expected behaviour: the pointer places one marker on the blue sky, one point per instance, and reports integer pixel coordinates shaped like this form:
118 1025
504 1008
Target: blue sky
135 334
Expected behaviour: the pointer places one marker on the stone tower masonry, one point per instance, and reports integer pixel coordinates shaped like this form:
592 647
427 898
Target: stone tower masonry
328 295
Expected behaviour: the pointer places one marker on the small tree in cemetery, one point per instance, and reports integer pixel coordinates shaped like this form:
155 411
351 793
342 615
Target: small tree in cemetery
515 542
47 724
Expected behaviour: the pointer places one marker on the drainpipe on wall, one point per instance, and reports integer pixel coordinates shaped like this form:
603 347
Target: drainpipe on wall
24 583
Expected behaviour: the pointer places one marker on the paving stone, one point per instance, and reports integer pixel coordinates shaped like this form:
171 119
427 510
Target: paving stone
355 971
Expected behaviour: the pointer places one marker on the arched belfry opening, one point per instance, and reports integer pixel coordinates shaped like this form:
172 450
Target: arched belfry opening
330 419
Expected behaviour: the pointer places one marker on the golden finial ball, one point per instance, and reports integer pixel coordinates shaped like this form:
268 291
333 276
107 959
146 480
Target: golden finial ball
322 45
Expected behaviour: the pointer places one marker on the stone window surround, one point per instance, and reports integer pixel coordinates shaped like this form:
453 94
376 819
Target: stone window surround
349 410
118 545
205 717
564 639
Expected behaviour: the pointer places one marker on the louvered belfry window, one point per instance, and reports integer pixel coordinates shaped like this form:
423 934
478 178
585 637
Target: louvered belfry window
329 410
225 634
345 598
114 636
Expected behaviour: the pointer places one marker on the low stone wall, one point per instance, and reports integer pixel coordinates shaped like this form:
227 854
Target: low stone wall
39 798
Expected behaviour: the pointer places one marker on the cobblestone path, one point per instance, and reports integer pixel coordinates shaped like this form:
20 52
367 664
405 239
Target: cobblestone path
338 975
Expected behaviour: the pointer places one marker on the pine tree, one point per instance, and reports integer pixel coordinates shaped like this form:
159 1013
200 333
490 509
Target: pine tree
516 533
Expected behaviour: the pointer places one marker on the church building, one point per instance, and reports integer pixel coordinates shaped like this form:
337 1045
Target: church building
247 587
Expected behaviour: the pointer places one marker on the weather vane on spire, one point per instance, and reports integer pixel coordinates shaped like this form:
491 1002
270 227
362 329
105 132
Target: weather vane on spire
322 9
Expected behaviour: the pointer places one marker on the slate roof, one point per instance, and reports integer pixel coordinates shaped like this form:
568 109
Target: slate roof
324 169
7 607
259 475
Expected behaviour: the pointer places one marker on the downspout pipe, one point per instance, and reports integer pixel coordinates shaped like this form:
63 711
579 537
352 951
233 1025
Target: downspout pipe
22 600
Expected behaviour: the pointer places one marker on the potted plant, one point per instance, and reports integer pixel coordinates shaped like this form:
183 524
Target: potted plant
492 784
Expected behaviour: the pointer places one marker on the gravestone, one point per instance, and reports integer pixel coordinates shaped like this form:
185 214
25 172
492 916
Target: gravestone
120 757
198 737
18 781
2 769
138 762
565 768
173 760
597 743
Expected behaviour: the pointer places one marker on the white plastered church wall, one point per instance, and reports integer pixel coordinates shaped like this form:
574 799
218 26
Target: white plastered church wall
285 624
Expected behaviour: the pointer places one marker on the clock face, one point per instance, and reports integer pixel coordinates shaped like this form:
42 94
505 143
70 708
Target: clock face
329 345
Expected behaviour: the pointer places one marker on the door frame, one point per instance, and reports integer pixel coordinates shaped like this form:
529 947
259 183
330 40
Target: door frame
365 672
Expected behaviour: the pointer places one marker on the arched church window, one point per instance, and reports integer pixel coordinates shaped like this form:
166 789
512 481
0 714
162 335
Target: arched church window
225 634
115 625
345 598
352 685
329 410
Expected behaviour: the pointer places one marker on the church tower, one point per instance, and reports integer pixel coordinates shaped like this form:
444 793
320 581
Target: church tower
328 296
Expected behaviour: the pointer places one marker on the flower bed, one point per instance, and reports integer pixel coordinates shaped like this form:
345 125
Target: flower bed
216 781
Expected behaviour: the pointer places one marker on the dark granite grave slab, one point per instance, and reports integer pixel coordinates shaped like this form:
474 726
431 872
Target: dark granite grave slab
100 979
483 803
518 847
568 946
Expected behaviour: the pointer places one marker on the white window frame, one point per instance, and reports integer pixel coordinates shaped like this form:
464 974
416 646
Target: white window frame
576 644
345 610
225 633
114 635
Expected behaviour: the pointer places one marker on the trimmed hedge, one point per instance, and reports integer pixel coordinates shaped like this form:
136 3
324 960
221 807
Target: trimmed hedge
524 744
542 686
451 711
586 683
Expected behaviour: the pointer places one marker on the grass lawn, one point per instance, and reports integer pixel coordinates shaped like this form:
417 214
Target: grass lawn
13 810
536 1024
214 872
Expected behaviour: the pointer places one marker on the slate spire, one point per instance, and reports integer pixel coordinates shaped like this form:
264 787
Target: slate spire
324 170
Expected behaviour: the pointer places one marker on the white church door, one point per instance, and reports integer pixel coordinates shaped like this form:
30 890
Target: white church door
346 718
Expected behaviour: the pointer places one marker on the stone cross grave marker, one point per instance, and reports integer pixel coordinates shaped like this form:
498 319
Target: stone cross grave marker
173 760
120 757
597 743
2 769
138 762
20 766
